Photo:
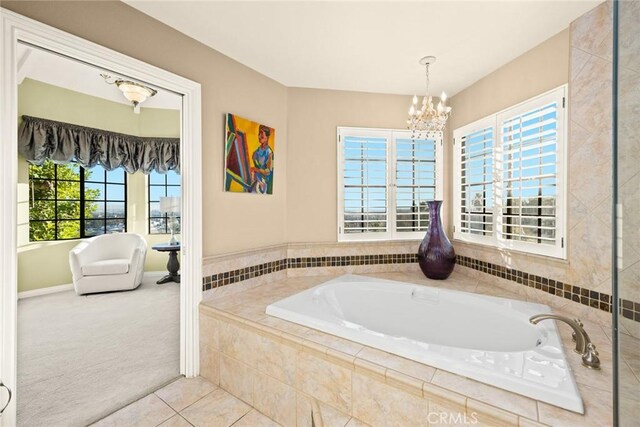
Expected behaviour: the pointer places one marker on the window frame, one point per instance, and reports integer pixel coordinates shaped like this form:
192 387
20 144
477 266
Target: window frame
82 181
496 240
392 135
166 185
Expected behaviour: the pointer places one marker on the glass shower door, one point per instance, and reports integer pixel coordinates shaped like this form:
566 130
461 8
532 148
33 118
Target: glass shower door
627 187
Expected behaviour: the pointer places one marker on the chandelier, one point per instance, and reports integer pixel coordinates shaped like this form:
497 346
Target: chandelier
427 119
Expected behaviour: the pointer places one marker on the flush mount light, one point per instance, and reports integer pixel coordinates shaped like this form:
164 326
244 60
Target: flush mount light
136 93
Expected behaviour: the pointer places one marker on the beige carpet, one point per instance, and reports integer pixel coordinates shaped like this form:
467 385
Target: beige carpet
81 358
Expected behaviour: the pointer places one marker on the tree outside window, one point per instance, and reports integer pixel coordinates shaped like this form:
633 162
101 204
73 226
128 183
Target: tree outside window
67 201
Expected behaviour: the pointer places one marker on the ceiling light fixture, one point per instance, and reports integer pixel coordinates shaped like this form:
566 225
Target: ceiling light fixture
427 119
136 93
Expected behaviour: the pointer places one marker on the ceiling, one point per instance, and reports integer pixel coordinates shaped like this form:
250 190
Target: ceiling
57 70
370 46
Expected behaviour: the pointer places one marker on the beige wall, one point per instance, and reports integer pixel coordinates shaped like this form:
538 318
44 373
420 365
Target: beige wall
51 102
232 222
581 56
303 207
544 67
314 116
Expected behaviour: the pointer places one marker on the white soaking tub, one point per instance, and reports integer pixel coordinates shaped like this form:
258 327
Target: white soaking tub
481 337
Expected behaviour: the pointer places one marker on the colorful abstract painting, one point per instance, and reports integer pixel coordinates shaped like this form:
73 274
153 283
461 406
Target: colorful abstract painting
249 156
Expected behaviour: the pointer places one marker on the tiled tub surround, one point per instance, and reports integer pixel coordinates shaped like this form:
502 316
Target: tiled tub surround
253 268
278 367
254 271
594 299
245 270
481 337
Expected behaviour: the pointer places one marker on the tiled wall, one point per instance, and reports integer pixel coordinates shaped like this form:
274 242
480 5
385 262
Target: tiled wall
593 299
310 264
290 378
238 270
597 300
250 269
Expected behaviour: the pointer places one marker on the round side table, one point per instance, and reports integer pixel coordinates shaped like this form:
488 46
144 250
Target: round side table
173 265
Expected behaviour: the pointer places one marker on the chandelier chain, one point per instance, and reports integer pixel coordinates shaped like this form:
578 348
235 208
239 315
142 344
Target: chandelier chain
427 78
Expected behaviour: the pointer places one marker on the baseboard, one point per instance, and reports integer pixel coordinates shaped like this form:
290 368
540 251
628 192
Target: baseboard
45 291
62 288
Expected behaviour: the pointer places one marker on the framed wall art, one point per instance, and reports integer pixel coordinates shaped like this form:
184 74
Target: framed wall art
249 154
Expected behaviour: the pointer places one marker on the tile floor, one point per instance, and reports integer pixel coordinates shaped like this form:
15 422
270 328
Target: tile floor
188 402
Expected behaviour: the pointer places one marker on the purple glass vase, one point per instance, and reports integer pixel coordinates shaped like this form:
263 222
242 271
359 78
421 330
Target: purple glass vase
436 255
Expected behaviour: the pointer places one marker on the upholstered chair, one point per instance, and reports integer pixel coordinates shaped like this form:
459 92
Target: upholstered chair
110 262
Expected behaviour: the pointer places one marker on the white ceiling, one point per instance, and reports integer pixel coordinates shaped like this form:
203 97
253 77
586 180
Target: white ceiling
370 46
56 70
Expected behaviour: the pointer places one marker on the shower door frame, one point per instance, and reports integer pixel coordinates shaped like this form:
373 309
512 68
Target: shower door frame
616 212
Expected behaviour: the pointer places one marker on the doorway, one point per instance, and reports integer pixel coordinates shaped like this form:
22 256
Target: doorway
18 30
99 350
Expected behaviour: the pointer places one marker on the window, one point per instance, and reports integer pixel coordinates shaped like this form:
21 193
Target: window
509 177
162 185
385 179
71 202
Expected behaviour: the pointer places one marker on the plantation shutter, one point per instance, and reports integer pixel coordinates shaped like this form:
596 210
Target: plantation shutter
509 177
385 179
415 182
475 190
530 174
364 182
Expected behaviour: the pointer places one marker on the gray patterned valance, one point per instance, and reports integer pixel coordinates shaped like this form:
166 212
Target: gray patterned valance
41 139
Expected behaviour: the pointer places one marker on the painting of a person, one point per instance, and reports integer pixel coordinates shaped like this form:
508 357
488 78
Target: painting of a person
249 154
262 170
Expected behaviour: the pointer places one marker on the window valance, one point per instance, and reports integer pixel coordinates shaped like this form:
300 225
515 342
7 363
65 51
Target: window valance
42 139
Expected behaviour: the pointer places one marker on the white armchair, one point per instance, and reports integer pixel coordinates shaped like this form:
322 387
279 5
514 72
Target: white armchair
110 262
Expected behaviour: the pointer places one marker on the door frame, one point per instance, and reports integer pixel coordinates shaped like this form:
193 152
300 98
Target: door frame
16 28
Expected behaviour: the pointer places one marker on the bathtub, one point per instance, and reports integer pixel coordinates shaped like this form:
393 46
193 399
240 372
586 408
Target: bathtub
485 338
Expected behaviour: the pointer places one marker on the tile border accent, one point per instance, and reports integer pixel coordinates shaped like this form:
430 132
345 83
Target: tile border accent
228 277
593 299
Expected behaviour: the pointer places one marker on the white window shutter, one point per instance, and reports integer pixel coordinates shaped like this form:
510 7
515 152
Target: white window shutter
415 177
364 182
510 177
476 181
530 174
385 179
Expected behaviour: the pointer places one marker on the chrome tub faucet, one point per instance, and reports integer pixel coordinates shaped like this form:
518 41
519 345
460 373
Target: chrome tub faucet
584 346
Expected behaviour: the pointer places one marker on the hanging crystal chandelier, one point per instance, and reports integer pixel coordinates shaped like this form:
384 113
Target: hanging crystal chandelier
427 119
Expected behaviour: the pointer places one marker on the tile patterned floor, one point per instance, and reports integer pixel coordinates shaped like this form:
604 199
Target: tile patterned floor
188 402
